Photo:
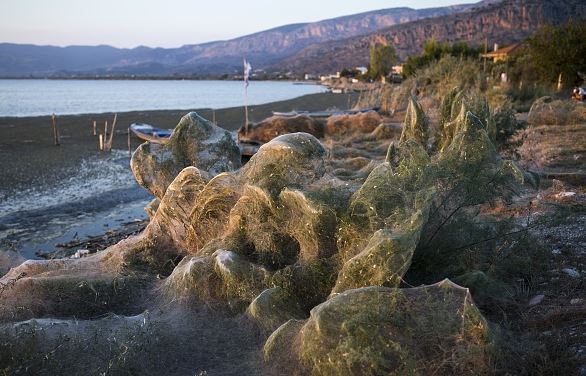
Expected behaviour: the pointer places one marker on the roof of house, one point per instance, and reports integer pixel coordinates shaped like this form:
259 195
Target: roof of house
503 51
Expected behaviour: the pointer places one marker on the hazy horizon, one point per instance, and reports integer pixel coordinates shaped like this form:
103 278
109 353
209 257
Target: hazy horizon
169 24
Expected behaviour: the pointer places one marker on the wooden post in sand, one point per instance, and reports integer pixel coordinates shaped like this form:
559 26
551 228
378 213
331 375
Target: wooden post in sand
55 130
129 146
246 110
101 142
95 128
112 133
105 134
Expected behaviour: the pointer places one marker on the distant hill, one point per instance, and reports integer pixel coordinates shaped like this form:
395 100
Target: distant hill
503 23
264 49
319 47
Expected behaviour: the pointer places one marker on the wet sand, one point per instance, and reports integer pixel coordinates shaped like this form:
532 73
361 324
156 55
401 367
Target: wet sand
54 194
29 157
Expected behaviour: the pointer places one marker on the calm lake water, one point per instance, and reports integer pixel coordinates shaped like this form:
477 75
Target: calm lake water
67 97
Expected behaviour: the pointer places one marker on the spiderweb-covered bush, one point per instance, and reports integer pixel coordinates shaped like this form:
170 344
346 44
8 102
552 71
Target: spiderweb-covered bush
408 331
549 111
287 234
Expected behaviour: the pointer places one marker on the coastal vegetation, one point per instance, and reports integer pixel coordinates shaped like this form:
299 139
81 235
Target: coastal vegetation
434 51
441 233
382 59
309 249
553 53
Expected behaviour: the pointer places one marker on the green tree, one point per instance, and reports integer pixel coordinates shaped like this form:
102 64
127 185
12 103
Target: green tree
382 59
559 50
433 51
349 73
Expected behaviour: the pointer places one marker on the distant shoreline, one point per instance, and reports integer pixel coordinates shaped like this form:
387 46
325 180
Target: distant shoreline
156 78
227 117
43 97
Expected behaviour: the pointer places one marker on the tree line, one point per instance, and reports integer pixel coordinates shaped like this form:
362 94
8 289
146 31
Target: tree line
552 52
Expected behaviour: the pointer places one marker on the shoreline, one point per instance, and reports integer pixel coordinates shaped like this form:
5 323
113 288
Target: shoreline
51 195
93 97
27 142
156 78
159 78
311 102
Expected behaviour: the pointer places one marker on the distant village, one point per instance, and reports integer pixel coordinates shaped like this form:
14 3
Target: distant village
350 79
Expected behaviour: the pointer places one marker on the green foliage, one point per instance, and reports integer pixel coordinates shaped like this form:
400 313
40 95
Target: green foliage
350 73
506 123
382 59
434 51
522 95
551 51
483 254
520 69
554 50
437 80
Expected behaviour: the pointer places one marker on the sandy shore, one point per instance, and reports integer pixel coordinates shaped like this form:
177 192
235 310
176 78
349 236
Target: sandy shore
54 194
30 158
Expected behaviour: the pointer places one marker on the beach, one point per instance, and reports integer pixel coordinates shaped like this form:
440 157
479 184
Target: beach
52 195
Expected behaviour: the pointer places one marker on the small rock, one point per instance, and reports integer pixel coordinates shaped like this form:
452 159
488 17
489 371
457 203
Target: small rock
576 301
80 253
556 251
565 194
536 300
571 272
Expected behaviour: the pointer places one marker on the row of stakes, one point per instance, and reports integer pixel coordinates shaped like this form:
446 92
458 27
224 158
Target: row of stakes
105 142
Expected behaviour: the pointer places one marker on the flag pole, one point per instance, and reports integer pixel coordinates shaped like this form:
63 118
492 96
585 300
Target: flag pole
247 69
246 109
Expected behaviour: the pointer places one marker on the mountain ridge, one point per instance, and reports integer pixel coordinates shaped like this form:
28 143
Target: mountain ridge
317 47
264 48
506 22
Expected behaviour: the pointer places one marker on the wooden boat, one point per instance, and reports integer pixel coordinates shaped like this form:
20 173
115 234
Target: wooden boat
151 134
248 148
161 136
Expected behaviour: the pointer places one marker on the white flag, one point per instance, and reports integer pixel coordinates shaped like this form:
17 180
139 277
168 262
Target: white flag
247 70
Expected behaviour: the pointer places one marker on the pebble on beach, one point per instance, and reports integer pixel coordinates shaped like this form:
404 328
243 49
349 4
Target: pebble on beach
572 272
80 253
536 300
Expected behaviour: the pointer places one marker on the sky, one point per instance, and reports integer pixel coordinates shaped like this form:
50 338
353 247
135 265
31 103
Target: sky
168 23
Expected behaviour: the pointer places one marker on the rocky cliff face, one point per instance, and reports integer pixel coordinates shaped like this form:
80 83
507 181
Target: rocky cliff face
506 22
282 41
